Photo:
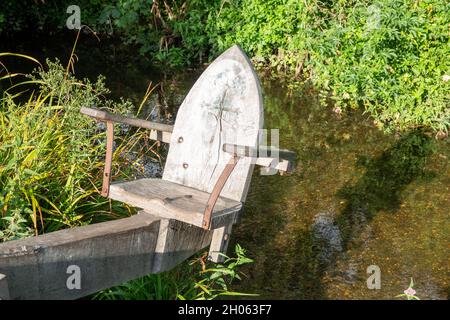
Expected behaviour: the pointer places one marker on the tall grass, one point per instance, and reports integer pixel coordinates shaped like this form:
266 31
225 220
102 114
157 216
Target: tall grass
51 163
51 156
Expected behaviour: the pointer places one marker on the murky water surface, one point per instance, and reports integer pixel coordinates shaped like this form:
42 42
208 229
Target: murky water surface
357 198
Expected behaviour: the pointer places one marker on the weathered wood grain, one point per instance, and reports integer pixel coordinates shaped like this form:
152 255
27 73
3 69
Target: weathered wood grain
224 106
173 201
106 116
4 289
107 254
178 241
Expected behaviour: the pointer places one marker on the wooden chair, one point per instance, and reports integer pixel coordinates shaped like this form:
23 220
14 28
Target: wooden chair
213 150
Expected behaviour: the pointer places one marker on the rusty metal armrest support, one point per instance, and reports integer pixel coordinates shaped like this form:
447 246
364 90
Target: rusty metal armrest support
279 159
158 130
268 157
108 159
215 193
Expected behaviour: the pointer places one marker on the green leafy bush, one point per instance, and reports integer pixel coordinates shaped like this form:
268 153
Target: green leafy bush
172 32
389 57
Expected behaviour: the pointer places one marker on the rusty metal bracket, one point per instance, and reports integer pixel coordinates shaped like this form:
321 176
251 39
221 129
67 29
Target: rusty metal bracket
108 159
220 183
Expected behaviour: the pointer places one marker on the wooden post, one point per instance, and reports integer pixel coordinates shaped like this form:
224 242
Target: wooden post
106 116
4 290
219 243
177 241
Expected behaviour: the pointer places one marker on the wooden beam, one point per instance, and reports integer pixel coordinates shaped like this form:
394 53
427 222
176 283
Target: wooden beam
106 116
279 159
219 243
102 255
73 263
169 200
4 290
162 136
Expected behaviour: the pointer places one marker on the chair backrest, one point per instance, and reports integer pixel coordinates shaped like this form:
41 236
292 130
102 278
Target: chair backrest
224 106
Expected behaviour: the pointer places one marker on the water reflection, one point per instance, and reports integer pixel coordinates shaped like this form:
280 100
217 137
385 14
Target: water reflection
358 198
385 178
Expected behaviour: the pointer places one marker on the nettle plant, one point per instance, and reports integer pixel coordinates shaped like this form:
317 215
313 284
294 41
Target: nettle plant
388 57
391 60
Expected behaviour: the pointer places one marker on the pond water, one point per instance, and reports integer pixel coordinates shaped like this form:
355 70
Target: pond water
358 197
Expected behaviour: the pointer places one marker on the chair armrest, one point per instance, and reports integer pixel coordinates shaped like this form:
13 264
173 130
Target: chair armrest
270 157
159 131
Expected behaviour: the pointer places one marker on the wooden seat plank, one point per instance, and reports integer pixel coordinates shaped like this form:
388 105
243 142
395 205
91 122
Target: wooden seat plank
173 201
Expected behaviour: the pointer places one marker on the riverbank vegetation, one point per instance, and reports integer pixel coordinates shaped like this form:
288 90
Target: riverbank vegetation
387 57
196 280
51 155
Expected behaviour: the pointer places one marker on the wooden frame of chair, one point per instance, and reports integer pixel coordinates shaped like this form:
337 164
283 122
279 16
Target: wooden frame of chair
162 130
205 174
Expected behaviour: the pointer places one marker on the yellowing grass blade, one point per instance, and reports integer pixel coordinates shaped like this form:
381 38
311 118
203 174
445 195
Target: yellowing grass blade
3 54
11 75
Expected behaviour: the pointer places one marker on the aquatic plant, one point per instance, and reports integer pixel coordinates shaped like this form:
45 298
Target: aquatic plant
410 293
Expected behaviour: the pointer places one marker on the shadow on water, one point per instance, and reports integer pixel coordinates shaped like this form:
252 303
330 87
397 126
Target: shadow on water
296 269
386 177
316 227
